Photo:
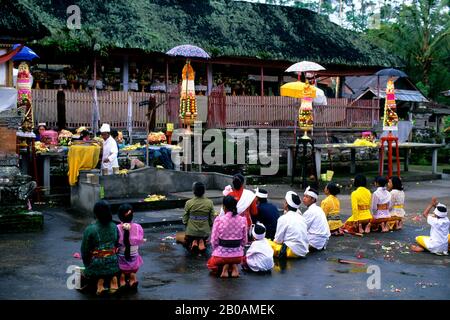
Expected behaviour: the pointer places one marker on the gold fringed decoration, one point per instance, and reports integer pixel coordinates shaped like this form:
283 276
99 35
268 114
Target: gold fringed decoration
390 120
24 96
188 103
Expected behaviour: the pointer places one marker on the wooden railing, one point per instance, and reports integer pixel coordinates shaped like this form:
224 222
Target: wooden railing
113 106
233 111
281 112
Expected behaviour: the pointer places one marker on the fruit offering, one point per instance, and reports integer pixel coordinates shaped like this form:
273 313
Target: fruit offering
154 197
156 137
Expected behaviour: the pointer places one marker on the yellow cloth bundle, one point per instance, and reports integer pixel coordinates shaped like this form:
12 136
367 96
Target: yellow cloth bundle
81 158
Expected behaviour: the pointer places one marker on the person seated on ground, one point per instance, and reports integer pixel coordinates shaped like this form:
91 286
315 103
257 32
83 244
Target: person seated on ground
198 218
439 239
381 201
131 235
267 213
396 209
332 208
291 237
360 219
316 221
259 257
98 249
246 199
228 238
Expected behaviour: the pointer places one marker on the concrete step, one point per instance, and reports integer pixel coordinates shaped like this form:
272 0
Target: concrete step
139 204
215 195
174 201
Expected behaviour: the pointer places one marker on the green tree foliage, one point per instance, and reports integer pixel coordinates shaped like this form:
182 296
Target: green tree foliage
420 36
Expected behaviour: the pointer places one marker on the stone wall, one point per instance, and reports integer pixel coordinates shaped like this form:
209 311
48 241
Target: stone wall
140 183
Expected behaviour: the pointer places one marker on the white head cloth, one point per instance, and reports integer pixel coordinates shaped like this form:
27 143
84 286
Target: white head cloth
260 195
259 236
289 201
440 213
312 194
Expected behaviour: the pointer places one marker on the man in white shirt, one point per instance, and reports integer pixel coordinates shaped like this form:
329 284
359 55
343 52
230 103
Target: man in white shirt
316 221
439 239
291 239
110 149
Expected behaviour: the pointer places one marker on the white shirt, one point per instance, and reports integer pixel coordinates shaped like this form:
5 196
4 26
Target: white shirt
317 225
292 230
110 152
438 241
260 256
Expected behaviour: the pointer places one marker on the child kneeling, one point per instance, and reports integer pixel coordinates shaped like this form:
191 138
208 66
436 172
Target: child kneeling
259 257
131 235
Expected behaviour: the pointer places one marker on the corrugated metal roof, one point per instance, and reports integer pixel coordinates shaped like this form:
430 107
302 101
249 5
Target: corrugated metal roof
400 95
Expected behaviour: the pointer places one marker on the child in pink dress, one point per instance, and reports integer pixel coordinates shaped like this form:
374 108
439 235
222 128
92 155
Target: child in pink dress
131 235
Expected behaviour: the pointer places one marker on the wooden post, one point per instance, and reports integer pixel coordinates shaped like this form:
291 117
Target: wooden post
209 77
338 80
262 81
61 109
168 110
125 79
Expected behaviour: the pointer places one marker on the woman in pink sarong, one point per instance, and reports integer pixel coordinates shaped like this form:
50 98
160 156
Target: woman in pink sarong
131 235
228 238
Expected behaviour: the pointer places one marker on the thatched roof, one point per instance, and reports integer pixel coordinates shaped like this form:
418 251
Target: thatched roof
19 22
224 28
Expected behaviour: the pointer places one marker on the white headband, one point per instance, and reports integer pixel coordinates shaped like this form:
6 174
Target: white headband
440 213
258 236
261 195
310 193
289 201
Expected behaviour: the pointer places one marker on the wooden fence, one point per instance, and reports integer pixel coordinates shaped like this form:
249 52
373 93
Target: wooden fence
223 111
281 112
113 106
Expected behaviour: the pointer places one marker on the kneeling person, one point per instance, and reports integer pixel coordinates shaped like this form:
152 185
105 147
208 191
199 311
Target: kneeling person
439 239
316 221
259 257
291 239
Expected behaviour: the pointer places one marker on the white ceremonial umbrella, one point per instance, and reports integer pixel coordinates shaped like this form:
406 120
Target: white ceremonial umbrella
305 66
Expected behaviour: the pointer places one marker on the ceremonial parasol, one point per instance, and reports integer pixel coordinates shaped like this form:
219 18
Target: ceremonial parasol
25 54
188 51
188 106
304 66
391 72
297 89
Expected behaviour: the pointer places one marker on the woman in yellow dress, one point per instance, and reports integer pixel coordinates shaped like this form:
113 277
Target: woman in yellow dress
332 207
360 219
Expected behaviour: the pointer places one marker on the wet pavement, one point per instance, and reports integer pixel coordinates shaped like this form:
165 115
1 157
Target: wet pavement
33 265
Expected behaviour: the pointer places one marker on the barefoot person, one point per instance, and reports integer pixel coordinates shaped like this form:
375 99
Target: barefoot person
228 238
131 235
98 249
438 240
396 209
316 221
332 208
291 237
198 218
360 219
381 202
